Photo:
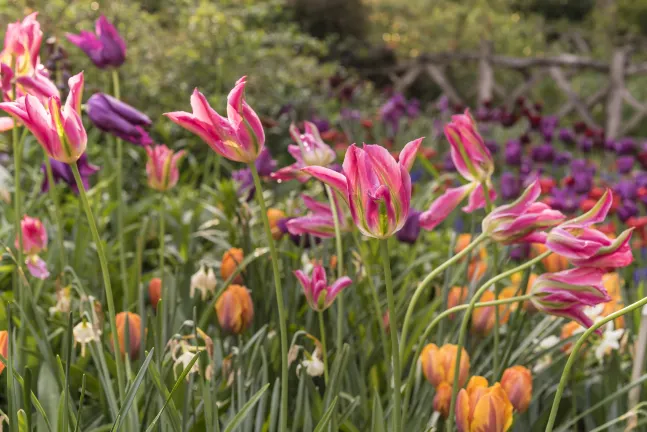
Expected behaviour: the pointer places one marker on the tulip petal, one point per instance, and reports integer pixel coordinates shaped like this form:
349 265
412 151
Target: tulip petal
339 285
408 154
443 206
330 177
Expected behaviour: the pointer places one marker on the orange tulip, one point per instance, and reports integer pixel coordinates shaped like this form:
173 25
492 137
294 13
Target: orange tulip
517 383
476 269
442 399
463 241
235 309
4 347
230 262
457 296
483 318
485 410
612 283
552 263
568 330
274 216
134 332
438 364
154 291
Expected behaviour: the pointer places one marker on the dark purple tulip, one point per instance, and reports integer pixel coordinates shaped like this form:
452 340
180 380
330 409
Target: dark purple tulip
625 146
513 152
543 153
641 179
526 167
547 127
626 210
581 165
443 103
118 118
510 186
106 48
413 108
265 166
322 124
626 189
520 252
62 172
264 163
563 158
585 144
582 182
610 144
351 114
492 146
448 164
625 164
411 229
565 200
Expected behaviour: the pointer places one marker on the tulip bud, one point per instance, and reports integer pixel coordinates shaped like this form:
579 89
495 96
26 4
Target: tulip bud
34 236
131 323
318 294
118 118
483 317
442 399
231 260
106 48
274 216
312 150
438 364
4 347
203 281
469 152
517 383
235 309
455 297
484 410
154 291
161 168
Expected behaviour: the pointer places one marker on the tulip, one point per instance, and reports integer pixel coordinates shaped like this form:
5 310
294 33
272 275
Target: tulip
456 296
62 172
553 263
587 247
319 294
154 291
231 259
37 266
162 167
119 119
4 347
376 187
274 216
58 130
485 410
567 293
105 47
411 229
442 399
320 221
469 152
521 221
438 364
22 44
203 281
34 236
483 318
131 323
238 137
234 309
517 383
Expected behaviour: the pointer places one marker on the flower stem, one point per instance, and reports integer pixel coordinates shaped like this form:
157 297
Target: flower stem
53 195
393 325
162 249
283 418
427 280
322 335
19 294
340 267
466 319
120 199
573 356
106 277
432 325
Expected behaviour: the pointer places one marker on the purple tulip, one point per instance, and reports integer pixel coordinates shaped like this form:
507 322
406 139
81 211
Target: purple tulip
510 186
567 136
563 158
626 210
565 200
513 152
582 182
626 189
585 144
641 179
265 165
106 48
62 172
411 229
321 123
543 153
625 164
492 146
118 118
625 146
520 252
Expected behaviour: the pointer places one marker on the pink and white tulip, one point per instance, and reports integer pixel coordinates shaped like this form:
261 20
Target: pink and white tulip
316 289
37 267
523 220
567 293
162 167
587 247
320 222
238 137
59 130
376 187
34 236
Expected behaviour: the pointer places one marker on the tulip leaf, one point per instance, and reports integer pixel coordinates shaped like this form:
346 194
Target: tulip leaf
242 414
132 392
325 419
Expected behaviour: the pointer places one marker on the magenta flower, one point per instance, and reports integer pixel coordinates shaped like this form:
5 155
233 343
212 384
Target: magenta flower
522 220
238 137
34 236
310 150
318 294
59 130
106 48
118 118
567 293
320 221
37 267
162 167
22 45
62 172
588 247
375 186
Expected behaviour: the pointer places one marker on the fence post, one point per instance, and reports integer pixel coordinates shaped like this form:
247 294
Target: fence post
486 73
616 91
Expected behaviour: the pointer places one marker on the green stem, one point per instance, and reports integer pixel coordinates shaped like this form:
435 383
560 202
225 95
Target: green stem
53 195
322 335
432 325
162 250
340 267
427 280
120 199
283 418
19 294
106 277
573 356
393 324
466 319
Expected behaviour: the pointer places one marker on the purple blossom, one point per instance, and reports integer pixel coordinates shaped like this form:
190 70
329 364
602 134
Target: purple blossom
118 118
563 158
625 164
411 229
625 146
582 182
265 166
567 136
585 144
626 189
513 152
520 252
62 172
627 209
565 200
543 153
322 123
510 186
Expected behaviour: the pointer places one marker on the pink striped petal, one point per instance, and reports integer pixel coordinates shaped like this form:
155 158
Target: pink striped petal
443 206
408 154
330 177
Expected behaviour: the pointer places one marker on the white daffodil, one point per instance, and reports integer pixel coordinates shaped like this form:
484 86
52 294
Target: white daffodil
203 281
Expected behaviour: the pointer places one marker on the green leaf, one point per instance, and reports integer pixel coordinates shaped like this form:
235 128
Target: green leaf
132 392
242 414
377 420
325 419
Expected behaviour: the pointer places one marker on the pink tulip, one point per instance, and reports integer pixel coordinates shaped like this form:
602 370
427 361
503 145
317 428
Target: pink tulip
34 236
162 167
320 221
447 203
318 294
588 247
238 137
37 267
376 187
523 220
59 130
22 45
469 153
567 293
